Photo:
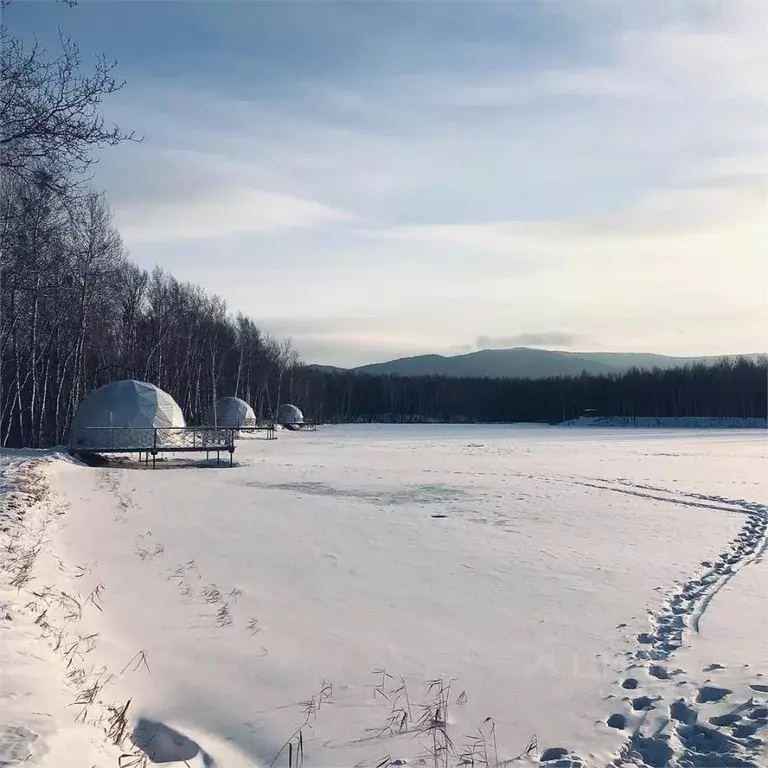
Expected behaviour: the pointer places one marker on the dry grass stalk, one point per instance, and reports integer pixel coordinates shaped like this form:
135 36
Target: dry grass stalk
532 748
180 576
211 594
380 689
149 554
432 725
136 759
23 567
140 659
294 745
223 617
117 723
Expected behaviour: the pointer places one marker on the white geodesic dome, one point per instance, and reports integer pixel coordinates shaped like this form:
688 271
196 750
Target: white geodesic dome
124 405
289 414
232 412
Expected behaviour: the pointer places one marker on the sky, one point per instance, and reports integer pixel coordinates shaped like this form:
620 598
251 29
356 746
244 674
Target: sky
381 179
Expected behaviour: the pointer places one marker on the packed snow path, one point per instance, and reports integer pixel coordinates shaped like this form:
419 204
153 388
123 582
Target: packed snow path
237 605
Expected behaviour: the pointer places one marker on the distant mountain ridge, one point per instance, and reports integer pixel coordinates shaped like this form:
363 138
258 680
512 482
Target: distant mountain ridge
525 362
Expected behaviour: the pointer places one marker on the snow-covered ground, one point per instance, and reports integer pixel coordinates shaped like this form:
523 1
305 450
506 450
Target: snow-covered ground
597 593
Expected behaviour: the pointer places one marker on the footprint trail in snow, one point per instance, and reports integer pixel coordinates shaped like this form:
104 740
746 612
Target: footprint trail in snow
671 720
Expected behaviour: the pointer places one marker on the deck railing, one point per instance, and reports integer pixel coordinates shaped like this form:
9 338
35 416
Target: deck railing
306 425
254 426
152 440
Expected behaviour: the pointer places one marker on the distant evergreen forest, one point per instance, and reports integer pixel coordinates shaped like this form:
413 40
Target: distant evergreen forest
733 388
76 313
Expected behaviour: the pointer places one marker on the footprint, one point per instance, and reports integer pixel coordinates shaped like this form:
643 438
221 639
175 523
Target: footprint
760 688
744 731
651 750
642 703
713 667
553 753
758 713
617 721
710 693
659 672
683 713
702 740
729 719
630 684
163 744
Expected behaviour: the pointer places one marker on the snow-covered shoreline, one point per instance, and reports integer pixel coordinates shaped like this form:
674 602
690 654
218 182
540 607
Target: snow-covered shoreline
43 678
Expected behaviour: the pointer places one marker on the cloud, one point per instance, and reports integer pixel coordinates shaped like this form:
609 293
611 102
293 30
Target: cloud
543 339
222 212
663 228
567 135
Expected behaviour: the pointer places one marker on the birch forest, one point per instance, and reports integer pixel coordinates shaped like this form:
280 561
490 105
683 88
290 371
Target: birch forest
75 312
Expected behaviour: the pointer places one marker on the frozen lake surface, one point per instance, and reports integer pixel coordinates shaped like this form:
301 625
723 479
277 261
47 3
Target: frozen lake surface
595 592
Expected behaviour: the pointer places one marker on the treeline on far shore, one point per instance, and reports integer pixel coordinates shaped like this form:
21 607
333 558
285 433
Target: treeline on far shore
735 388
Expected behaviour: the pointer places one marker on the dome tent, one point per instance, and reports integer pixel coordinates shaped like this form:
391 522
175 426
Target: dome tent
232 412
289 414
126 404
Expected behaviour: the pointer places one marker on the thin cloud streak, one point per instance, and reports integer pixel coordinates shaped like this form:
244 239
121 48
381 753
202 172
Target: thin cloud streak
222 212
547 339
